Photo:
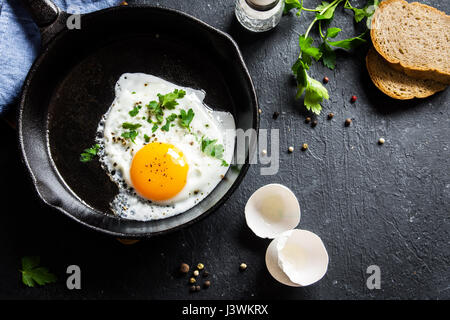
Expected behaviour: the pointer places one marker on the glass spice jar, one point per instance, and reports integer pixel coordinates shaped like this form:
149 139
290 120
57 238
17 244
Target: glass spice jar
259 15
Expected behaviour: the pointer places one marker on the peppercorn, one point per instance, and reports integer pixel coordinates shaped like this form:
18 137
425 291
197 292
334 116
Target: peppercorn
197 288
205 274
353 99
184 268
196 273
243 266
192 288
325 79
207 284
200 266
275 115
330 115
308 120
192 280
381 141
314 123
304 147
291 149
348 122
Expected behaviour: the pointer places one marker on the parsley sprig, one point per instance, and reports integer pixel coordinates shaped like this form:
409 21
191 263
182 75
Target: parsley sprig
132 133
314 91
90 153
156 108
213 149
33 274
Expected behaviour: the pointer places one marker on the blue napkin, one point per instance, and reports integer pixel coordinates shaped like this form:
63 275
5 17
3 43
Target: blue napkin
20 42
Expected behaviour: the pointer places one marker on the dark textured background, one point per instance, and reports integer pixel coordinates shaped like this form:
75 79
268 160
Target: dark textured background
385 205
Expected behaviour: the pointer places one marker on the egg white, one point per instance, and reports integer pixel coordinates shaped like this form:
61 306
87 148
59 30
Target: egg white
205 172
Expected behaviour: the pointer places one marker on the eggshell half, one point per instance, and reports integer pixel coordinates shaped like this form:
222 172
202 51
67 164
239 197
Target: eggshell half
297 258
271 210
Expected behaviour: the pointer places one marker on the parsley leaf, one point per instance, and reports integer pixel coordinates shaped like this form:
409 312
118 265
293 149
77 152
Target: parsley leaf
328 56
186 118
155 127
212 148
32 273
329 13
90 153
131 126
349 43
168 101
146 138
307 50
292 4
366 12
132 134
314 94
135 111
169 119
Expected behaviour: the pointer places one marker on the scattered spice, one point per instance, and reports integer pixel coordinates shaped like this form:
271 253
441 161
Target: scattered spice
259 111
192 280
308 120
348 122
330 115
291 149
304 147
353 99
264 152
205 274
200 266
325 79
314 123
381 141
243 266
276 114
196 273
192 288
124 3
197 288
207 284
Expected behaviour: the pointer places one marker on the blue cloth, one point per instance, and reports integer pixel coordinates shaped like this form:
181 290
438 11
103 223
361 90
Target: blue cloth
20 42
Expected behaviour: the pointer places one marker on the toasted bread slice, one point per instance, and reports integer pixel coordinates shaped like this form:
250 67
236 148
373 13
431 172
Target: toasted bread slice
395 83
414 38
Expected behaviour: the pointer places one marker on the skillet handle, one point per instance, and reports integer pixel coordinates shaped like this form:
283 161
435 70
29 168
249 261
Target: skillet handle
44 12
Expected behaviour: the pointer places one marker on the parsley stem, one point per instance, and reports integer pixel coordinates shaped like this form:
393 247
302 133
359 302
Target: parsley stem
311 10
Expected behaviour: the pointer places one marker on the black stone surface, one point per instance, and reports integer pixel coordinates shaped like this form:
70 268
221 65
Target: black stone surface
385 205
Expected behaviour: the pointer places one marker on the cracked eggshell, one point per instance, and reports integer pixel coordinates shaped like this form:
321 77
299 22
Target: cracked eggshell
297 258
271 210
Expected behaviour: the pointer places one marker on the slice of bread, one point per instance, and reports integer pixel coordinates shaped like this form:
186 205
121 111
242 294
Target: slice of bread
414 38
395 83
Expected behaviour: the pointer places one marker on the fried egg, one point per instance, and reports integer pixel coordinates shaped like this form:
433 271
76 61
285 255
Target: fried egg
163 164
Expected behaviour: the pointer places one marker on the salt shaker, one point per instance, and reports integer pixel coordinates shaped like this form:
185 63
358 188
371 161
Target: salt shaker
259 15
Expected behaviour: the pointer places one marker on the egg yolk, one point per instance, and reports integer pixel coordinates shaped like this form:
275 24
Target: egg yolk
159 171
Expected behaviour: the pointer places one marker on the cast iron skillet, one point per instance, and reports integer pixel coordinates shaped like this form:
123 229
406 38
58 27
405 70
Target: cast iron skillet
71 85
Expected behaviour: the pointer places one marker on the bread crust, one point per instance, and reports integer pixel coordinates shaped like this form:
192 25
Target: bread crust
411 70
428 89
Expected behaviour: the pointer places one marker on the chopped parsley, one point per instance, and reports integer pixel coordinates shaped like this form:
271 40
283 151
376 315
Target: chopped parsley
132 133
32 273
135 111
156 109
146 138
169 119
131 126
168 101
213 149
90 153
186 118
